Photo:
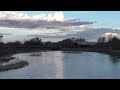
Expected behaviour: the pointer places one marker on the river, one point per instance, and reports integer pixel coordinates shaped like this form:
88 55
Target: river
66 65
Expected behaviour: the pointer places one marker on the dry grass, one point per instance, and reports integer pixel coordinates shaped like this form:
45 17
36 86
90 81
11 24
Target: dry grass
6 59
15 65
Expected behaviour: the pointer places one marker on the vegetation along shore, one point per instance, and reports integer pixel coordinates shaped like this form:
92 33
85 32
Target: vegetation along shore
110 45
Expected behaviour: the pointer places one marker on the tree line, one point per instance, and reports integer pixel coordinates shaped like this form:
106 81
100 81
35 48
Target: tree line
102 43
65 43
112 42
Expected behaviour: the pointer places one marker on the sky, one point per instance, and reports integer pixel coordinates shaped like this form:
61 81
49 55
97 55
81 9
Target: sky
57 25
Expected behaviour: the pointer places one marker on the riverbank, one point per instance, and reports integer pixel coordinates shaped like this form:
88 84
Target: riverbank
10 52
5 57
7 62
13 65
106 51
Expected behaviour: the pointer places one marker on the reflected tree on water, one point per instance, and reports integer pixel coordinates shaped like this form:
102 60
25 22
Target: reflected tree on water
114 58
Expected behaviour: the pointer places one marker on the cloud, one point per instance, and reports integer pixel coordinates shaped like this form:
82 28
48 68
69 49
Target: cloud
111 34
75 28
89 33
58 16
51 21
48 36
92 34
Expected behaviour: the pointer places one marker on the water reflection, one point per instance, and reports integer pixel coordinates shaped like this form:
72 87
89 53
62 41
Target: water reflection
59 65
114 58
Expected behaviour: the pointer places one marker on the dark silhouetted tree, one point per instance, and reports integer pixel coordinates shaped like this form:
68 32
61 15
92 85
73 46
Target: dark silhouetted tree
101 40
34 42
49 43
102 43
114 42
66 43
1 36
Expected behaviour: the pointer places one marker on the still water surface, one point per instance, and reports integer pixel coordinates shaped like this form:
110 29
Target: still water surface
66 65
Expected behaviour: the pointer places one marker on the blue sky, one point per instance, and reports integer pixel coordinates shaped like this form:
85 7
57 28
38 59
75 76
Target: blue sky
110 19
94 21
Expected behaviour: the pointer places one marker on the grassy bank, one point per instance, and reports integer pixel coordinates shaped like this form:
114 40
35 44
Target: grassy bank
5 59
7 62
16 65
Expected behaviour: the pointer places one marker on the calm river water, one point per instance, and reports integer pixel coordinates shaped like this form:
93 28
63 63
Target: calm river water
66 65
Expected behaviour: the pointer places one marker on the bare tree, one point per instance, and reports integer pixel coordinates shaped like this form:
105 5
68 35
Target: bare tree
101 40
1 36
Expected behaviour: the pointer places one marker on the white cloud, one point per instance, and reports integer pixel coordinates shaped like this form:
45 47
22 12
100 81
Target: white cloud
58 16
107 34
112 34
51 21
46 25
